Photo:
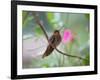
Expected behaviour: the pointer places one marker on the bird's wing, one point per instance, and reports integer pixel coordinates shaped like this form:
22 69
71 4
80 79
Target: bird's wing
52 39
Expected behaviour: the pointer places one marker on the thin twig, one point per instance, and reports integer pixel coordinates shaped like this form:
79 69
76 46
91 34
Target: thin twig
42 27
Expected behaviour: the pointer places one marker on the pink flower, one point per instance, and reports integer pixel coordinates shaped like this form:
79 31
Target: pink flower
67 36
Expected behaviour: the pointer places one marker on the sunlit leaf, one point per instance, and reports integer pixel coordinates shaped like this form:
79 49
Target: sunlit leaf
50 16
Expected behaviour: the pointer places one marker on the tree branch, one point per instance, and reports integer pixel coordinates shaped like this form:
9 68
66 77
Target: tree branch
42 27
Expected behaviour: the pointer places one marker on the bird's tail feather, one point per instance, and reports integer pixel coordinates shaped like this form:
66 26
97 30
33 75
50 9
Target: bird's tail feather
48 51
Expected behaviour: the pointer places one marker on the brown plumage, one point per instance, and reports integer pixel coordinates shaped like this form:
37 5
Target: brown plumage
55 41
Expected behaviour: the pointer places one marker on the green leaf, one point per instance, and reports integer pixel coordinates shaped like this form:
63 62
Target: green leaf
50 16
37 30
45 65
24 16
87 16
86 62
27 20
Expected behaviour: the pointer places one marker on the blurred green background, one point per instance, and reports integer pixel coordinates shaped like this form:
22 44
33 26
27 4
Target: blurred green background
33 36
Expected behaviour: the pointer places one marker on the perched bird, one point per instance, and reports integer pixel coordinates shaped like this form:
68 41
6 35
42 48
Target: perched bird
54 41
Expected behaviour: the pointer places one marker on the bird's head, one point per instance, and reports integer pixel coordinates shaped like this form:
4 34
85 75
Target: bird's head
56 32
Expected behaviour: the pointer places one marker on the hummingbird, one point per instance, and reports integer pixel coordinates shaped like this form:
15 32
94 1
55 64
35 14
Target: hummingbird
54 41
